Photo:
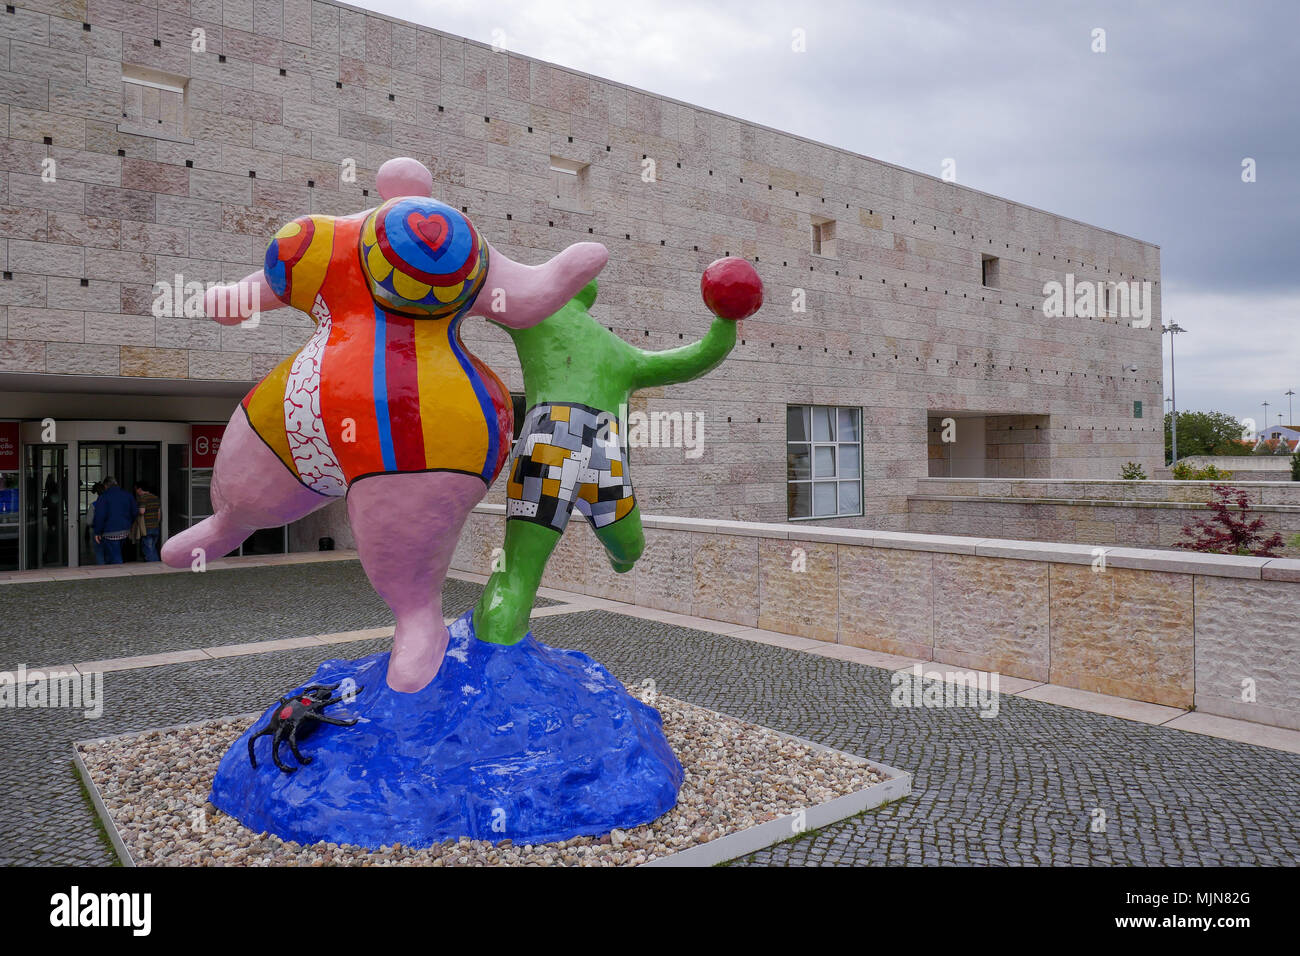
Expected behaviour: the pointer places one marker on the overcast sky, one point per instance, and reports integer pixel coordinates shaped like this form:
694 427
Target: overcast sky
1147 138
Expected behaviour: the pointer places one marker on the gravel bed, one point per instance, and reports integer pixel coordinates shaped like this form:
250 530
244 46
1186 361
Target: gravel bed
738 775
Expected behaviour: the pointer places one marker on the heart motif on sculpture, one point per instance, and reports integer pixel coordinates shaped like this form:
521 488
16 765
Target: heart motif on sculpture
432 229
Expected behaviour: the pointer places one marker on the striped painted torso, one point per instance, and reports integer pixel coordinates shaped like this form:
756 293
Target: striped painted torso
373 391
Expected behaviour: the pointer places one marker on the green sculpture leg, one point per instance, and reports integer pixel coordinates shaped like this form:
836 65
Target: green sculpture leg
501 615
623 540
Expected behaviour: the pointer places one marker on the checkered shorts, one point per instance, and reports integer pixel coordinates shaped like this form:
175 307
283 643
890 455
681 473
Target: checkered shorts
569 456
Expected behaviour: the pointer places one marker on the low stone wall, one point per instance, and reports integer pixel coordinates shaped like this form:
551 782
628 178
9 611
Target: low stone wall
1243 467
1172 628
1148 514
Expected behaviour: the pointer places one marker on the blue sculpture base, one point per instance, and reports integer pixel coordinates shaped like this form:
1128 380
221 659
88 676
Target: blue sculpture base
522 742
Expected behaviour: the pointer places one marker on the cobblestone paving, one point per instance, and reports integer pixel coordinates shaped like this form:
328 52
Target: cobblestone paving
43 818
1020 788
63 622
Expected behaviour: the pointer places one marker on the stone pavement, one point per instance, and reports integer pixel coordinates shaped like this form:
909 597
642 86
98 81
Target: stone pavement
1024 787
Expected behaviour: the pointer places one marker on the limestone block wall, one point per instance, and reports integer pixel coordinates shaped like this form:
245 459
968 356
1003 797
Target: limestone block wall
1244 467
1148 514
286 97
1218 634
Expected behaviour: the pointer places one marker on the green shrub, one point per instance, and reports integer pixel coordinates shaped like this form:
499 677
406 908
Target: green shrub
1295 465
1132 471
1185 472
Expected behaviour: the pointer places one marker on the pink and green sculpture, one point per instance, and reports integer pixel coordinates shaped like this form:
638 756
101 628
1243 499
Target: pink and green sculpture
477 730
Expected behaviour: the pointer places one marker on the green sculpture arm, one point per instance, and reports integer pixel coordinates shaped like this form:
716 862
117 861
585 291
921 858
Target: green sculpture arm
689 361
577 375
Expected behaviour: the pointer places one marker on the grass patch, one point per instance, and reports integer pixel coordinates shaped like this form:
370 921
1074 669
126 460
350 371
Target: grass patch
94 815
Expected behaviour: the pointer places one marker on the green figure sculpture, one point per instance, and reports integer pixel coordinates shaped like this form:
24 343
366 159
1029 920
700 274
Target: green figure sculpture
570 452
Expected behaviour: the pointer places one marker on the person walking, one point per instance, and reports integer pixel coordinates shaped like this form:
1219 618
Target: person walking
115 510
97 545
150 510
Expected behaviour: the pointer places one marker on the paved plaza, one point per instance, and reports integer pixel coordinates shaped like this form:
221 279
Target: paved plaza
1026 787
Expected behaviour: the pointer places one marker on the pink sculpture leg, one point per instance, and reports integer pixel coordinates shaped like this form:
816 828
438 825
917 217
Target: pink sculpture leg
251 489
406 551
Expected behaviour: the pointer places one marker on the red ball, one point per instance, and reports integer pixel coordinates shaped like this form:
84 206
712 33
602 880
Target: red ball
731 288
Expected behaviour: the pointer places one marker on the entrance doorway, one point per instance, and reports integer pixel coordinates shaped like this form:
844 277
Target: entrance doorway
55 489
127 463
46 513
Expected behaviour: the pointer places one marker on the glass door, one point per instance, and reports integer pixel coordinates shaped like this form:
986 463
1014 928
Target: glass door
46 512
129 464
189 501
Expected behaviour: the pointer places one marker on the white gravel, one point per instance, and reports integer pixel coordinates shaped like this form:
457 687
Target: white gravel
156 786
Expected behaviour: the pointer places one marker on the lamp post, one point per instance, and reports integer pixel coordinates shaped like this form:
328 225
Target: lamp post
1173 328
1289 392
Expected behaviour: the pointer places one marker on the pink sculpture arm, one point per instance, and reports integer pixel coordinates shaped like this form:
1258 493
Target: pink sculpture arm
513 294
520 296
233 303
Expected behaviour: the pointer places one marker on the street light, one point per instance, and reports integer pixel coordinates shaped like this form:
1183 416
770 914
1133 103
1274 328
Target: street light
1173 328
1289 392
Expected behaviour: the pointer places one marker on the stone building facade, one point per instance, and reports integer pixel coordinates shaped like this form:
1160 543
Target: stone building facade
164 142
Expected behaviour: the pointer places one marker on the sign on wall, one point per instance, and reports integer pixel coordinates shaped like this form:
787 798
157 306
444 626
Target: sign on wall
9 446
204 442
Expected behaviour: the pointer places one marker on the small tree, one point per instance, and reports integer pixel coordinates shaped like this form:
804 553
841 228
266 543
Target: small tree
1295 465
1132 471
1229 530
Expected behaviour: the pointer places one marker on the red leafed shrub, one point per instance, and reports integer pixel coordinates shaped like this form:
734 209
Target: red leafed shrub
1229 530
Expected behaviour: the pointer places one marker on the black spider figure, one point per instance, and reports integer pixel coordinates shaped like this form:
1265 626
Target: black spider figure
298 716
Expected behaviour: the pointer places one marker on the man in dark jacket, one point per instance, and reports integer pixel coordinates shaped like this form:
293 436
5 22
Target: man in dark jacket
115 510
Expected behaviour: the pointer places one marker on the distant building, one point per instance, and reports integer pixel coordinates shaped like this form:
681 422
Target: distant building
1281 439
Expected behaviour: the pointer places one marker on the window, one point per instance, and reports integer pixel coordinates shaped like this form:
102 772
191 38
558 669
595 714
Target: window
823 461
823 237
989 271
1137 409
569 185
153 103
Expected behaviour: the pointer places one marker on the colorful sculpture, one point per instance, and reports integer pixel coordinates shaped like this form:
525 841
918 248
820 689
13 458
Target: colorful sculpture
384 403
577 377
480 730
